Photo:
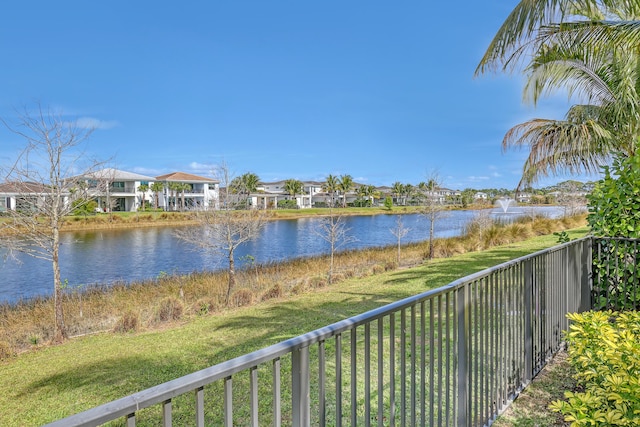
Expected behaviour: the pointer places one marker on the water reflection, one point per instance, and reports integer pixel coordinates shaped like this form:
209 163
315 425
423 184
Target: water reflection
104 257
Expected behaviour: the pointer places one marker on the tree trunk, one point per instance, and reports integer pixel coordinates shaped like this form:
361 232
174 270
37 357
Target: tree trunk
60 332
431 239
232 276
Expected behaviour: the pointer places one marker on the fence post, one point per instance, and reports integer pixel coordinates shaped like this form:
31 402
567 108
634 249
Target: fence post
586 275
463 354
528 326
300 392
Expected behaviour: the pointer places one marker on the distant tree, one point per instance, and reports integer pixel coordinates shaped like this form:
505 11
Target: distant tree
398 189
223 231
345 185
334 231
467 197
388 203
246 184
431 207
183 187
143 188
174 190
157 188
407 192
399 231
331 186
45 175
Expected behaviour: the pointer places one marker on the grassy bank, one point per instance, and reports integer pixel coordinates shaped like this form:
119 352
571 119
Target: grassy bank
52 382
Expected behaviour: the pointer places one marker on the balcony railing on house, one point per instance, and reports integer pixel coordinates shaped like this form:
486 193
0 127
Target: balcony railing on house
452 356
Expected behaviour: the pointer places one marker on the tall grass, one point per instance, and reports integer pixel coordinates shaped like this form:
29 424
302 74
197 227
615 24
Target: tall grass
169 298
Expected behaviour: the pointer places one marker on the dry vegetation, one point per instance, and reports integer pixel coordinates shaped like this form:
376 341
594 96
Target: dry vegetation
151 304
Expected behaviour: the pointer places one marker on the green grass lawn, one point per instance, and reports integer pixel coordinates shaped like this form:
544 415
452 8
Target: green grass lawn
53 382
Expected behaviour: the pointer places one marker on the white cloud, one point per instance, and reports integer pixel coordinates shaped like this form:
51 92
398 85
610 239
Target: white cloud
473 178
92 123
201 168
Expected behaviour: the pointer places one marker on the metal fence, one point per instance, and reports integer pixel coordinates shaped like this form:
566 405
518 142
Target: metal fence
452 356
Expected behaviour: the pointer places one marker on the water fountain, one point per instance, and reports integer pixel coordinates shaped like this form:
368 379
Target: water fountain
504 204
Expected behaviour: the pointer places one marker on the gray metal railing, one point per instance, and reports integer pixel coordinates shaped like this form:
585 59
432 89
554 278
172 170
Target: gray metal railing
456 355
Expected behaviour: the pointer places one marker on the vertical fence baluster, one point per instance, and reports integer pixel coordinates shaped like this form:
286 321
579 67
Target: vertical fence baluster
413 366
423 366
300 390
253 395
228 402
392 369
166 413
131 420
339 380
403 368
367 374
354 382
277 395
322 376
432 362
380 371
463 318
448 336
199 395
441 394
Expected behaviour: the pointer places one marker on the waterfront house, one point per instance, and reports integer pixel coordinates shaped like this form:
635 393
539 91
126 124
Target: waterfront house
22 195
117 191
182 190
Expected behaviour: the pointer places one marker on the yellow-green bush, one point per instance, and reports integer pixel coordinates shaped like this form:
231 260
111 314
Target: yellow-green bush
604 350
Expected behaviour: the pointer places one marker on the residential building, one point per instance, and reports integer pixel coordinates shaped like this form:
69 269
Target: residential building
116 190
182 190
22 195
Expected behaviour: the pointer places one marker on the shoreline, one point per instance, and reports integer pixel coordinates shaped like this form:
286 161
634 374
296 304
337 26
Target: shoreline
123 220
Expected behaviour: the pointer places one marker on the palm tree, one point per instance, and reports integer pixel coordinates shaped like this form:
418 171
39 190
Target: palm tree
589 49
397 188
331 186
345 184
174 188
157 188
407 191
245 184
293 187
143 188
183 187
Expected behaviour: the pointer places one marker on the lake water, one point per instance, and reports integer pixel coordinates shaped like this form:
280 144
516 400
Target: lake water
103 257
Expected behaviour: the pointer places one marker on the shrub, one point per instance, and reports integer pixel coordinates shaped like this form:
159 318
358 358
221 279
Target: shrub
287 204
129 322
170 308
377 269
275 291
604 350
390 265
242 297
5 350
317 282
614 204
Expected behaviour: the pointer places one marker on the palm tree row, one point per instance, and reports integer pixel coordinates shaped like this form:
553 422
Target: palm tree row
589 49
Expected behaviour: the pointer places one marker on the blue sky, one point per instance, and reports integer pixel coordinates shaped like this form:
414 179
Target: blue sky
383 91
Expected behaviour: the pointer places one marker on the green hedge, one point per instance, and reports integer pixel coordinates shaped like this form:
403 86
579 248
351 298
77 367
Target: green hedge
604 350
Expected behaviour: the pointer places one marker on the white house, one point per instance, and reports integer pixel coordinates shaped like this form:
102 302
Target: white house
269 193
116 190
182 190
